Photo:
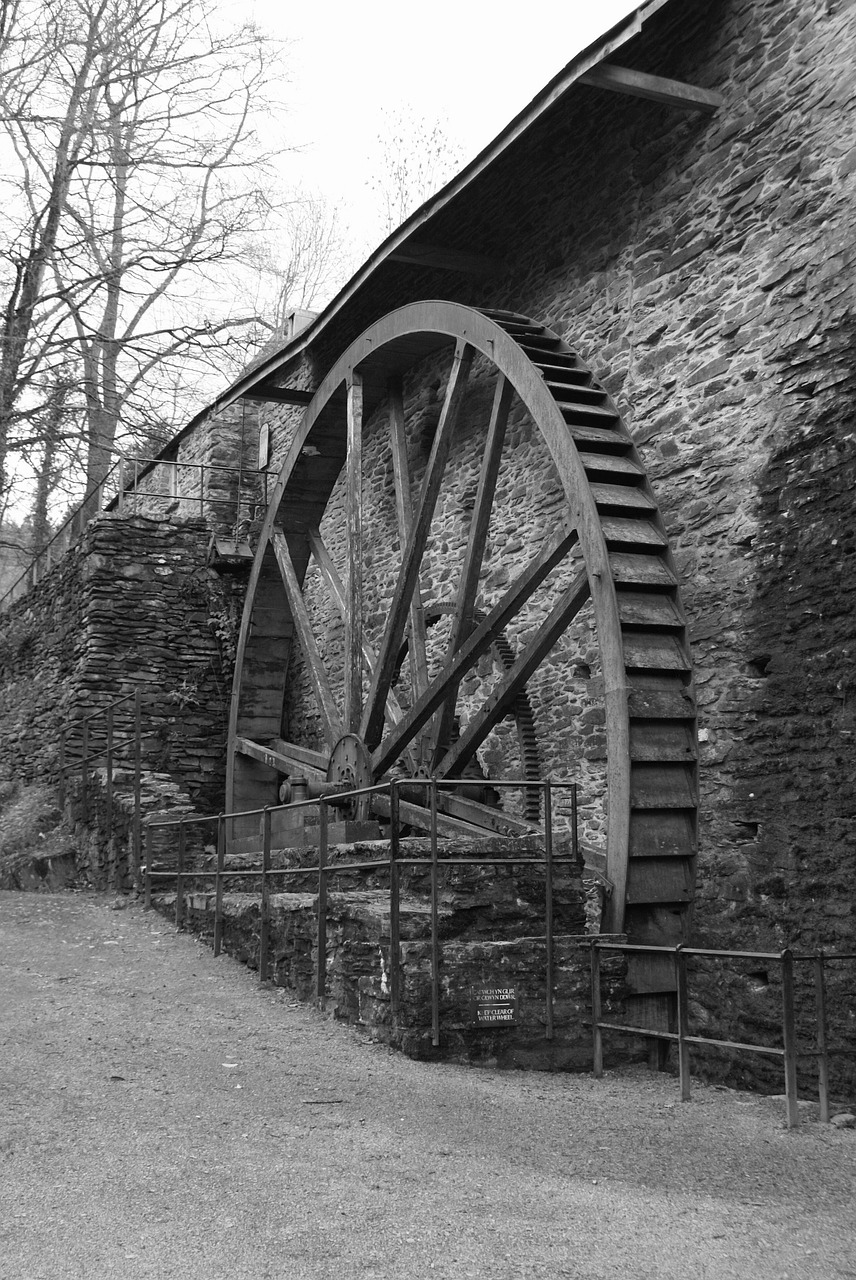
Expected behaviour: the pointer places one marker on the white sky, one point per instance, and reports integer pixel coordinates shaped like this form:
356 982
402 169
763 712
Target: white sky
469 64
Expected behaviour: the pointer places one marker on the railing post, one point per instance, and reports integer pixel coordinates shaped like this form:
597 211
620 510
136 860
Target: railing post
321 924
548 903
435 943
789 1038
202 490
575 825
264 933
136 475
149 849
822 1048
218 883
394 903
596 1033
109 800
179 877
683 1021
137 786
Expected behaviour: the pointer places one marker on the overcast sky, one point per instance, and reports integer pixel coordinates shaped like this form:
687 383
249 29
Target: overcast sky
468 64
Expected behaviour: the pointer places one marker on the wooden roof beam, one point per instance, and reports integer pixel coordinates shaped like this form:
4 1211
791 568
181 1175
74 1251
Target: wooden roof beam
279 395
421 254
606 75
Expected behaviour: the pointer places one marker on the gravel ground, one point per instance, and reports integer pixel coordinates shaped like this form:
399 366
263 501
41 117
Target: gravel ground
163 1115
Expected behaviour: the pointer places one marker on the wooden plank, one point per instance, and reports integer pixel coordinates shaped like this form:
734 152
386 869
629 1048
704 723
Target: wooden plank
659 880
277 395
284 760
453 822
330 722
640 570
640 84
304 756
666 740
613 466
668 833
457 664
647 975
354 515
667 701
622 496
653 925
654 652
662 786
417 640
408 576
501 699
637 608
637 533
479 524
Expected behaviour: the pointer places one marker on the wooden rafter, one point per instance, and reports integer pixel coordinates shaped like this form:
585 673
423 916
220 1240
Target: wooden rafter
372 725
417 640
330 721
639 84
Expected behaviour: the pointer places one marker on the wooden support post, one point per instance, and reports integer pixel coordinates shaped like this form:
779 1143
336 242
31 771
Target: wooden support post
683 1021
354 585
264 935
822 1048
548 904
596 1015
218 883
179 877
789 1038
394 905
435 932
321 926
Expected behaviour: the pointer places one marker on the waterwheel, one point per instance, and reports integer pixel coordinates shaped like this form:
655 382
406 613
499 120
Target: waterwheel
466 465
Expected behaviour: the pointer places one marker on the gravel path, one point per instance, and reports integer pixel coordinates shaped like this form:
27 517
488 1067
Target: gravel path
162 1115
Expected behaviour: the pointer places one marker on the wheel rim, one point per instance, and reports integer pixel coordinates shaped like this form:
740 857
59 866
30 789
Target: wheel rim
628 577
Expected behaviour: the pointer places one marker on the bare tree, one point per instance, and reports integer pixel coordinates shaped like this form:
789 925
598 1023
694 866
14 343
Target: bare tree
417 158
141 181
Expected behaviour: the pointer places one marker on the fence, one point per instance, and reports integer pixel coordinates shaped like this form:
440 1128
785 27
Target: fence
120 490
789 1051
393 865
113 747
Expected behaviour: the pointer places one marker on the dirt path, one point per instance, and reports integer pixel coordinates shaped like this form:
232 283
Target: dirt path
164 1116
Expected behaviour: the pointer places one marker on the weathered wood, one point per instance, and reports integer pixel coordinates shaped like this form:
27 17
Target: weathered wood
636 608
662 834
654 652
640 84
637 533
659 880
417 639
372 724
282 757
267 393
421 254
668 740
457 664
302 756
502 698
662 786
330 721
622 496
354 515
469 580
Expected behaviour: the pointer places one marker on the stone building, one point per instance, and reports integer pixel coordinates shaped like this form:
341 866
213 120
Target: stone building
676 206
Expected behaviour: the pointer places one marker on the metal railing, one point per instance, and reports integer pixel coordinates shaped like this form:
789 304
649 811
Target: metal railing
789 1050
393 865
120 490
113 747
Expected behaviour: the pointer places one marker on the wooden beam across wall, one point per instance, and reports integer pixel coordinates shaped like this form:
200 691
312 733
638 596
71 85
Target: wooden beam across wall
277 395
421 254
639 84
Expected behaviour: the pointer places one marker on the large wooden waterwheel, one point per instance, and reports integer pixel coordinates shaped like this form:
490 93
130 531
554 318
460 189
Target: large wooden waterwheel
356 562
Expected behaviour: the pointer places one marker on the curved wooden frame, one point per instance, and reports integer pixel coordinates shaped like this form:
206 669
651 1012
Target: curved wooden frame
629 574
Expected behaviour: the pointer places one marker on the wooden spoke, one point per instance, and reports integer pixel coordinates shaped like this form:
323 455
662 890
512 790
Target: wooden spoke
330 722
372 724
417 639
336 588
501 700
457 664
469 580
354 606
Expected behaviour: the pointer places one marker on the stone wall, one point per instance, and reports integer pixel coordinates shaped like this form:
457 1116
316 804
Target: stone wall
133 605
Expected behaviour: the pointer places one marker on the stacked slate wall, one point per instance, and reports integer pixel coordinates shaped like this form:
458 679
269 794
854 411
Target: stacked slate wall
131 605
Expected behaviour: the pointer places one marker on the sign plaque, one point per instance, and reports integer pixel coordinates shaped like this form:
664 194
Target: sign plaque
493 1006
